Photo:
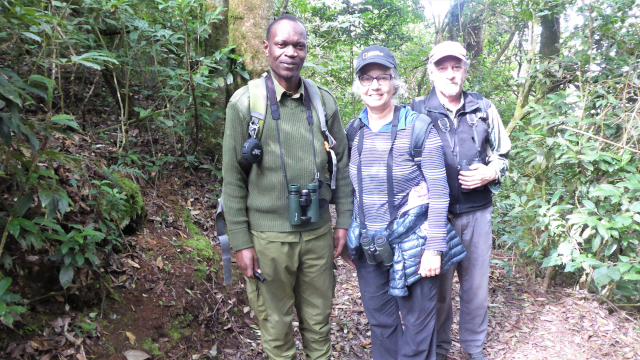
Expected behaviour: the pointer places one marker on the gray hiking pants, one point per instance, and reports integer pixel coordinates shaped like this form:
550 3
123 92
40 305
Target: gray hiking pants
474 228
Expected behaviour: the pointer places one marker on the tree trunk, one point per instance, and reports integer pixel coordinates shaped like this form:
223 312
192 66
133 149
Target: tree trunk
523 95
248 22
455 20
550 35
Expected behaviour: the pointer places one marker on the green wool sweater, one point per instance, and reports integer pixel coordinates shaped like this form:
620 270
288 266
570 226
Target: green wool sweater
255 197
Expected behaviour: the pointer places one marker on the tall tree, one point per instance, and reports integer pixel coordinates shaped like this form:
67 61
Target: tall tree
248 22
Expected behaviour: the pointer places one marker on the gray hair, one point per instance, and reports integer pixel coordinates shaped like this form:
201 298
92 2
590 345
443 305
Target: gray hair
399 85
432 67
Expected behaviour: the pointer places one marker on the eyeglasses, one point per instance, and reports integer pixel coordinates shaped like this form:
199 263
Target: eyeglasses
383 79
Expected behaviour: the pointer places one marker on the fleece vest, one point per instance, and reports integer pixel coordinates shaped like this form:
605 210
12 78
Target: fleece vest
463 139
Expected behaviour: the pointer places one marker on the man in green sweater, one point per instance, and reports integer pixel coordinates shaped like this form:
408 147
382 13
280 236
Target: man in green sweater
296 260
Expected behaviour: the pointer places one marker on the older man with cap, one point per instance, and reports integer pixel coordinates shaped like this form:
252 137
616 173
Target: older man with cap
476 147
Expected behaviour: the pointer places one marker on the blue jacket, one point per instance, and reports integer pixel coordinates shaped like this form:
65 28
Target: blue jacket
407 240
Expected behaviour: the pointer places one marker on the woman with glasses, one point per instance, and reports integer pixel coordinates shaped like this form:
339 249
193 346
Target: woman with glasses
400 214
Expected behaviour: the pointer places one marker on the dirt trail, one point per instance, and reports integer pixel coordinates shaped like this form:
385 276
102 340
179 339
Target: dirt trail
523 324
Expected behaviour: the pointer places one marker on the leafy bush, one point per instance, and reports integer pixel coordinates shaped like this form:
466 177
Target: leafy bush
6 298
572 199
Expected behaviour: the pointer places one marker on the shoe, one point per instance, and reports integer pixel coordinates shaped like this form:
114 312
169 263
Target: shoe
440 356
477 356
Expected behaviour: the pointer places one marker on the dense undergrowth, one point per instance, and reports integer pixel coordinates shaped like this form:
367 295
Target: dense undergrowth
95 98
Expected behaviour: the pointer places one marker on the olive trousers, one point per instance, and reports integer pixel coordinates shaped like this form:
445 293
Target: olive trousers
299 269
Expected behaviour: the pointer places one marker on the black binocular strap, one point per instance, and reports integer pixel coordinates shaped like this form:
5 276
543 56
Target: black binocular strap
275 113
451 142
393 212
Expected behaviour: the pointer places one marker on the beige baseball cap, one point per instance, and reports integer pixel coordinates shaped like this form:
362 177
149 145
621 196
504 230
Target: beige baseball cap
448 48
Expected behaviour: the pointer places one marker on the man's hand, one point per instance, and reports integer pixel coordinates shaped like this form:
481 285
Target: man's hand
339 239
247 260
429 264
480 175
344 254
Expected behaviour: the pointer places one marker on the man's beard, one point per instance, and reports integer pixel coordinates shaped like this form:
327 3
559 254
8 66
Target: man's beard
446 88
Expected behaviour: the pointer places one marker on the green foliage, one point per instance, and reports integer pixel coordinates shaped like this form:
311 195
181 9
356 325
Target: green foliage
575 162
337 32
6 299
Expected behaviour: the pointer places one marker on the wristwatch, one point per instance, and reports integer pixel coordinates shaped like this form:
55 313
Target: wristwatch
434 252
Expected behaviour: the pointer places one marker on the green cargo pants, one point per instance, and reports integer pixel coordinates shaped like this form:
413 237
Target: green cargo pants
299 268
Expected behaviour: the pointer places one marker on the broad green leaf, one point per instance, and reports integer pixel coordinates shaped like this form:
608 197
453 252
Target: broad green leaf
89 64
14 227
3 309
26 224
65 120
4 285
32 36
603 231
79 259
624 267
632 276
614 273
45 196
551 261
555 196
635 207
589 204
66 275
22 205
601 276
8 91
611 248
571 266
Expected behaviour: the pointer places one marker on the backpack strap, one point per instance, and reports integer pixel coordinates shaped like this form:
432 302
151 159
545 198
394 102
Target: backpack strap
318 102
329 142
421 128
418 103
257 105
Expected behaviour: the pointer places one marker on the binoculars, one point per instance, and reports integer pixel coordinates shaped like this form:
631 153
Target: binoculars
377 250
464 166
304 205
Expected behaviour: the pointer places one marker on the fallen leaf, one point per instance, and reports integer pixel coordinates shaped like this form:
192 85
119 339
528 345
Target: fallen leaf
136 355
132 338
159 287
181 234
122 278
133 263
214 351
159 262
246 309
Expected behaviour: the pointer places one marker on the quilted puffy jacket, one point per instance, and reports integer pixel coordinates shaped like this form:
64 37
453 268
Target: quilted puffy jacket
407 240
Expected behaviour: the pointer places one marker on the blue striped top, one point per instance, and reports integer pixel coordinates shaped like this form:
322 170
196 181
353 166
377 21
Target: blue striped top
406 176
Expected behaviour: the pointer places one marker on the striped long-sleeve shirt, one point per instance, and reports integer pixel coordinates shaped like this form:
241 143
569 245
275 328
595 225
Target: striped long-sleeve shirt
406 175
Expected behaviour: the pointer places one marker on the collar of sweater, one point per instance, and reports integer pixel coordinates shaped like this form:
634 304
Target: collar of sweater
407 116
281 90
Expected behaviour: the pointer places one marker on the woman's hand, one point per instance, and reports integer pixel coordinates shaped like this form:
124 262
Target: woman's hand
429 264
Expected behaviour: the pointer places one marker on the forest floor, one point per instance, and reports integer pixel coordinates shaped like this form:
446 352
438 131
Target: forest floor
164 308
